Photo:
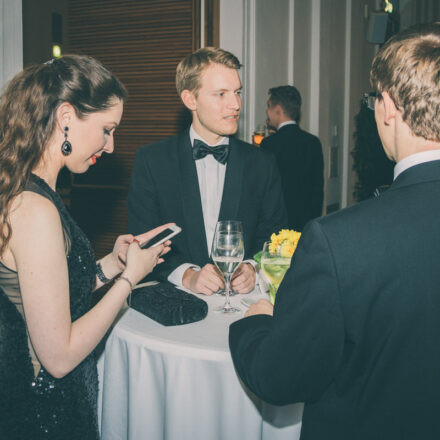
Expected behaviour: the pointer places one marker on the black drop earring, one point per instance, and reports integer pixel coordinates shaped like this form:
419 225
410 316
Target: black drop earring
66 147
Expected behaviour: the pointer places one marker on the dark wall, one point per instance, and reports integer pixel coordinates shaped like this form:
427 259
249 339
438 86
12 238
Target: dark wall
37 28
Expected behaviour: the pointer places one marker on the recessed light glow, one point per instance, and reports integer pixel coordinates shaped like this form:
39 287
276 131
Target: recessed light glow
56 51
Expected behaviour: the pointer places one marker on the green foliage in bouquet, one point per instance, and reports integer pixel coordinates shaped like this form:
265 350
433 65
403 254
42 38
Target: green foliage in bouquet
372 166
257 258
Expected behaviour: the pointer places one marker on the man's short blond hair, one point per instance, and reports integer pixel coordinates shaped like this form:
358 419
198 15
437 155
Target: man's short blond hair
190 69
407 67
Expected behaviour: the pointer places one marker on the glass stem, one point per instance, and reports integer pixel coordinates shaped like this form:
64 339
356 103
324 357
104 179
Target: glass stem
227 304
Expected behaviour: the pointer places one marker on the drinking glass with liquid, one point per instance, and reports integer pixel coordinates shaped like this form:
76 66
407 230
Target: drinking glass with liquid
227 254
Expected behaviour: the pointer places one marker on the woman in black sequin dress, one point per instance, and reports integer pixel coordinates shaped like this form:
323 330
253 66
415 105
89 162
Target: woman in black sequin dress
60 114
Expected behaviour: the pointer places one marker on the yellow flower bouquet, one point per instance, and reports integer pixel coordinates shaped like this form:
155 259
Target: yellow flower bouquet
276 256
285 242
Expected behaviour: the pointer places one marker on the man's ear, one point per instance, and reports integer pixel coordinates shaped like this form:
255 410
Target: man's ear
389 107
279 110
189 99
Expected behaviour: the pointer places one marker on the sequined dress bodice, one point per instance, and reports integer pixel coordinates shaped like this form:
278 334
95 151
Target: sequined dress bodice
67 407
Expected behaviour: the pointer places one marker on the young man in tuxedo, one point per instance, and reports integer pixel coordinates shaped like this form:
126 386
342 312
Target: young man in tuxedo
355 329
299 157
204 174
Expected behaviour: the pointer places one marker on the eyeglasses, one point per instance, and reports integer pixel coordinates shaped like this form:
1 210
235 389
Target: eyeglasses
369 99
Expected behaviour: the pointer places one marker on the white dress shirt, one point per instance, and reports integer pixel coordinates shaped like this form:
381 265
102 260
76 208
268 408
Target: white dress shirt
415 159
286 123
211 176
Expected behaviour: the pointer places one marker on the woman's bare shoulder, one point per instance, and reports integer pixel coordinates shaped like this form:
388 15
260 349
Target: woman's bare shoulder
32 213
29 202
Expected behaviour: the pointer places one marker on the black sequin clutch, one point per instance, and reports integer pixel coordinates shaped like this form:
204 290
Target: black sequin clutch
168 305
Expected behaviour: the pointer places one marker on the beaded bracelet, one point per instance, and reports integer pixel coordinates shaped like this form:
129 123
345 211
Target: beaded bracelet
100 273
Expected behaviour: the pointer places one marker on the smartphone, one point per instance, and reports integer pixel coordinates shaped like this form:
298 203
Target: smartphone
162 236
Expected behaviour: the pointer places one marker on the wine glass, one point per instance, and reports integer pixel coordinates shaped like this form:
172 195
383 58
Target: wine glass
227 254
258 134
274 265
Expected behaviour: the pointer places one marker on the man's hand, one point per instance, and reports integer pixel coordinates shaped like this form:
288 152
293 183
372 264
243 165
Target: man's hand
244 278
207 280
262 307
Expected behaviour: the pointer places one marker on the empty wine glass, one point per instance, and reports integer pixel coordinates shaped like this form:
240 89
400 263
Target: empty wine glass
227 254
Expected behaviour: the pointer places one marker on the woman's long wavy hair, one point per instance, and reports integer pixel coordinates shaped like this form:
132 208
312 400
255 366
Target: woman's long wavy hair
28 116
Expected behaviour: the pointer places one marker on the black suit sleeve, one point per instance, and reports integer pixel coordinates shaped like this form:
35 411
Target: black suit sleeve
273 215
269 146
265 144
142 203
317 190
294 355
144 210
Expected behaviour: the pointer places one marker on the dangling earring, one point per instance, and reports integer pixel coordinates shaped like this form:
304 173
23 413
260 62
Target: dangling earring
66 147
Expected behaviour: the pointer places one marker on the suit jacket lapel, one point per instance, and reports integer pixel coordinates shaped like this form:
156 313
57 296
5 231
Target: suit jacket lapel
191 200
233 182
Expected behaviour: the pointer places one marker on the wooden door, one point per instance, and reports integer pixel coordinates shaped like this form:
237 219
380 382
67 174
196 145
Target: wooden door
141 41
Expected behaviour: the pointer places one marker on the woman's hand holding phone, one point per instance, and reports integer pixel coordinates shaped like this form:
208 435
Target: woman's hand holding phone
140 262
145 251
123 241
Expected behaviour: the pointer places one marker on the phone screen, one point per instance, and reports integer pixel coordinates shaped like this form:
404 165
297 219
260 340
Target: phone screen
158 238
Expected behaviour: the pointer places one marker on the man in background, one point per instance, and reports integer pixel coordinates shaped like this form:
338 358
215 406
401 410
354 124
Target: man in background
204 174
355 329
298 154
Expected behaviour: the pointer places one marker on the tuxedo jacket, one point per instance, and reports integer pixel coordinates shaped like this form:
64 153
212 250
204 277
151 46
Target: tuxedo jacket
301 165
356 326
164 188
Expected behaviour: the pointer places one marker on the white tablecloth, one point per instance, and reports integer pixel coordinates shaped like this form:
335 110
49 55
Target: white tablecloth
179 383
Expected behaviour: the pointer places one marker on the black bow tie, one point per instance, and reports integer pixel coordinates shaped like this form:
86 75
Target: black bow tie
201 150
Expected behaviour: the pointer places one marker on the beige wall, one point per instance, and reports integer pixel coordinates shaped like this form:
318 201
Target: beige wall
301 52
271 47
11 43
331 98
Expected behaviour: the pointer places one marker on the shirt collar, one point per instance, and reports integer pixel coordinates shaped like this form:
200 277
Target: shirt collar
415 159
286 123
194 135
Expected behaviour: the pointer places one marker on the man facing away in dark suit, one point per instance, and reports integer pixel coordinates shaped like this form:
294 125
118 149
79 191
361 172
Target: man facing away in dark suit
298 154
203 175
356 325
